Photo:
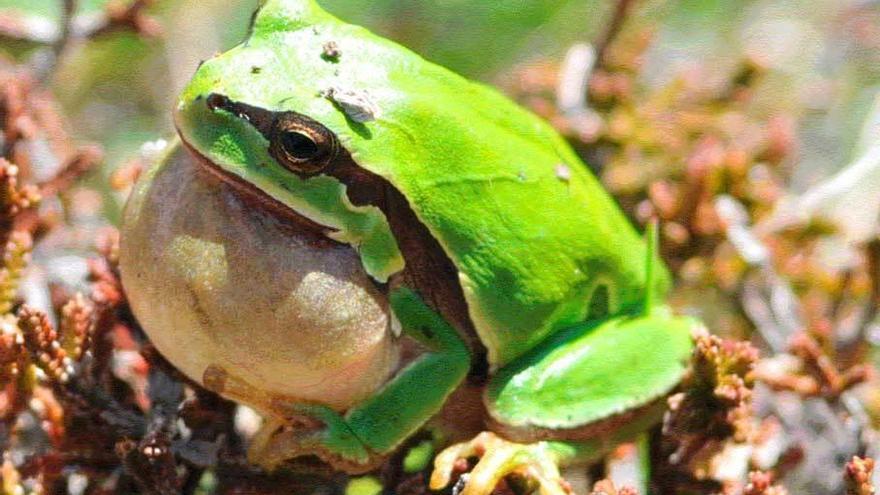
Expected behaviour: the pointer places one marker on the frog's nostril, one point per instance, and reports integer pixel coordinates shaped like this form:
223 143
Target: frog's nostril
216 101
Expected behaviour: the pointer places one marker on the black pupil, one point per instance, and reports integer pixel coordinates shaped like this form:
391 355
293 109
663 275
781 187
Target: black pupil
299 146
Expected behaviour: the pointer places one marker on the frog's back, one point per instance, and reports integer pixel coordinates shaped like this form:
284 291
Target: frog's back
530 230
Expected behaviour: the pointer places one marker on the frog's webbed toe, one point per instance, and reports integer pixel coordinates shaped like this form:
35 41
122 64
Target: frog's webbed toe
310 430
498 458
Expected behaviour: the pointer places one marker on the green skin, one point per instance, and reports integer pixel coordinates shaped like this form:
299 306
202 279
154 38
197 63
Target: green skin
530 232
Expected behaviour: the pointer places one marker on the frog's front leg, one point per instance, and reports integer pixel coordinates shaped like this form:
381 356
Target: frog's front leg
358 440
572 399
291 429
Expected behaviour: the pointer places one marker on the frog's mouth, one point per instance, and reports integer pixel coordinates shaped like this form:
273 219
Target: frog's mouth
254 195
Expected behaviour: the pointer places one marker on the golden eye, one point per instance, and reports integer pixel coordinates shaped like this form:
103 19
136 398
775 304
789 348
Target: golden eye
302 147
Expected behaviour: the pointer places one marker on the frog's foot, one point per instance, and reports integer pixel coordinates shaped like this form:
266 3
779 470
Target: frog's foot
498 458
311 430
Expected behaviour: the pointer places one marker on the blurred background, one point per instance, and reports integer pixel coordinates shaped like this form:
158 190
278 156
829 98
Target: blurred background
750 128
820 56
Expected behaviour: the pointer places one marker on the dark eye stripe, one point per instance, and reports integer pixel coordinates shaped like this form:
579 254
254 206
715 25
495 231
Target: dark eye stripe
297 142
261 119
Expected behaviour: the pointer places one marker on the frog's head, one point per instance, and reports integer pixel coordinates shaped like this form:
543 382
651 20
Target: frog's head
263 116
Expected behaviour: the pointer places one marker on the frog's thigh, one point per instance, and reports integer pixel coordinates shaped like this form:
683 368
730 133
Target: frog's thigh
586 379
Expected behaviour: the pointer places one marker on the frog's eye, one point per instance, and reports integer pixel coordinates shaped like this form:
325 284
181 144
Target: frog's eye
299 146
302 147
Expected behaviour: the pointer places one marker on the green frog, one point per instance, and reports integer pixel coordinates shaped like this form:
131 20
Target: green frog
388 235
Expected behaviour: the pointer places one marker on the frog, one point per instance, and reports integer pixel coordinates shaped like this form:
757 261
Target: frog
496 262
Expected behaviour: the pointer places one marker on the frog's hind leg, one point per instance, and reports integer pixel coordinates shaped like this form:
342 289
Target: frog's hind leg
591 378
575 397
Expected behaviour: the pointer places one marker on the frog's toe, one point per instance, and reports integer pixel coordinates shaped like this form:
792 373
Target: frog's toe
498 458
311 431
278 443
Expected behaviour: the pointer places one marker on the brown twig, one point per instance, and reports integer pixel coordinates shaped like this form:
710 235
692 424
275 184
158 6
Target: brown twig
13 358
712 408
873 265
117 17
132 17
716 395
41 340
68 10
14 257
820 376
621 12
76 166
606 487
858 476
761 483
